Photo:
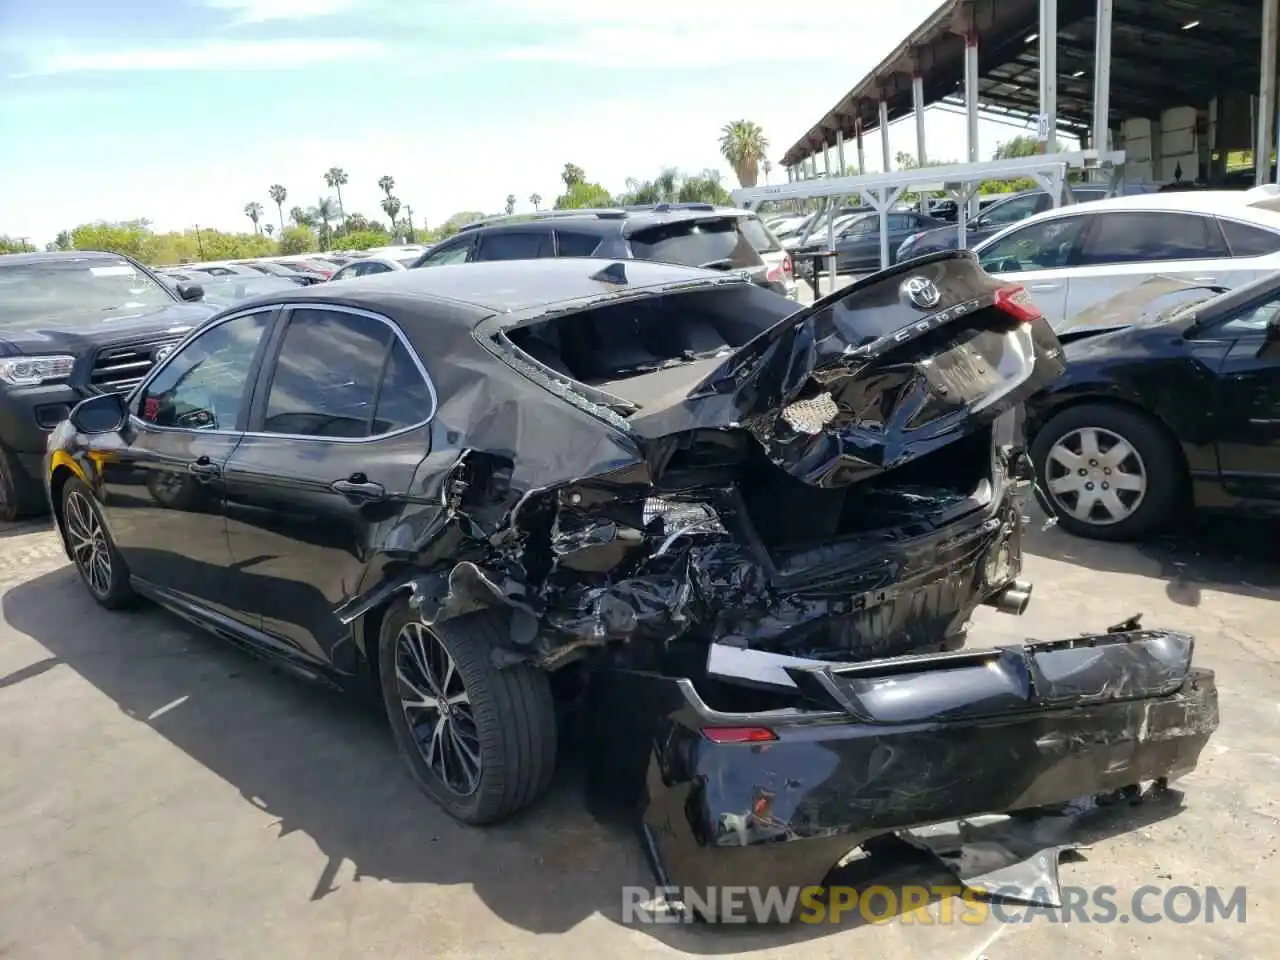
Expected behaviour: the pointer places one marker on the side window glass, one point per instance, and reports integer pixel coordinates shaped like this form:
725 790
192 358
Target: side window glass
899 222
1255 320
1012 211
1139 237
576 244
1247 241
204 386
369 269
405 398
1046 245
325 382
460 253
510 245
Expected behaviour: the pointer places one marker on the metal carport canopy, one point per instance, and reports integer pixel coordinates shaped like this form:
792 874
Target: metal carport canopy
1155 63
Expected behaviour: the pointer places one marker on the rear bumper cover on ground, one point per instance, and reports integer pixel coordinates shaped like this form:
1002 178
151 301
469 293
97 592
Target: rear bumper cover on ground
893 744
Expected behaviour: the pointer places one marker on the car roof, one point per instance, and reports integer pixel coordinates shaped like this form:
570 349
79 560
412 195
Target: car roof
14 259
480 290
609 220
1210 202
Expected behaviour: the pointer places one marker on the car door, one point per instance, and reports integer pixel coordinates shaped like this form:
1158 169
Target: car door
859 244
1125 248
163 489
1248 408
338 427
1037 256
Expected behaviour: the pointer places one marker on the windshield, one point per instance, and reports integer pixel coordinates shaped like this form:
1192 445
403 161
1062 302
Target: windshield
223 291
34 290
718 244
759 236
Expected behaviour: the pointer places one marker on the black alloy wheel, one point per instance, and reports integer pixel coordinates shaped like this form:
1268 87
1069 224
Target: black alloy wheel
95 555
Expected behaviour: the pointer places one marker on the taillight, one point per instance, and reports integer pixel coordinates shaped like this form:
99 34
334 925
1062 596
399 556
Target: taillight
786 264
739 734
1015 301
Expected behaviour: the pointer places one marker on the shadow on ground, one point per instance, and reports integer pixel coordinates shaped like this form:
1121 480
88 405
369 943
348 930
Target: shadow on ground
1225 554
325 765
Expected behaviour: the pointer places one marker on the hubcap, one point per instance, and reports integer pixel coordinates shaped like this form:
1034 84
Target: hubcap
437 708
88 544
1095 476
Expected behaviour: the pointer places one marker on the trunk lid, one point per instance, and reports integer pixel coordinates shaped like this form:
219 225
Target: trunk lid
869 378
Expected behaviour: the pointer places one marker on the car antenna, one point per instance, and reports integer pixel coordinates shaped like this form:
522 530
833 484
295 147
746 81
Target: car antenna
615 272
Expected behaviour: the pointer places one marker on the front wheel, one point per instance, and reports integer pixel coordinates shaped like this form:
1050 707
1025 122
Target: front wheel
479 740
1107 472
96 558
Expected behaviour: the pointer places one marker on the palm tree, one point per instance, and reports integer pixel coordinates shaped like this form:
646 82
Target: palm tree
322 212
279 194
511 203
391 207
386 184
744 145
300 217
536 200
572 174
270 228
336 178
768 168
254 212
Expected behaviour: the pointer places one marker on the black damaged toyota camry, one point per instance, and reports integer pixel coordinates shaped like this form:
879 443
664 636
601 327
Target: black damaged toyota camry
739 543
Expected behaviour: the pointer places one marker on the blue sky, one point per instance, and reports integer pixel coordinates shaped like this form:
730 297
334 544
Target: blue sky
182 111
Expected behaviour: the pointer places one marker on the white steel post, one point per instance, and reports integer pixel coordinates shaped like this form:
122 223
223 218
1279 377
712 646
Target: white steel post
840 151
971 103
1049 72
1267 106
1102 77
917 107
862 156
826 159
884 136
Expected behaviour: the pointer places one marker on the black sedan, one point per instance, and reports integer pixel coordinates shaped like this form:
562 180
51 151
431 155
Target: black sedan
1179 408
857 240
484 491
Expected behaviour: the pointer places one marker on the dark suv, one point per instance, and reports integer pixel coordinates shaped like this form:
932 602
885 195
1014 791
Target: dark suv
73 325
688 234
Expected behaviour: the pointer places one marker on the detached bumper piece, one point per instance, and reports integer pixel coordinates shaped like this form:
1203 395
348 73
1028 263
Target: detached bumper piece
779 797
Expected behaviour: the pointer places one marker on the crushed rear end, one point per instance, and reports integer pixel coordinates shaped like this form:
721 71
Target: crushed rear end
759 538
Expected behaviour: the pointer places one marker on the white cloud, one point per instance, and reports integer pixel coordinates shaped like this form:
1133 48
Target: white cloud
216 55
262 11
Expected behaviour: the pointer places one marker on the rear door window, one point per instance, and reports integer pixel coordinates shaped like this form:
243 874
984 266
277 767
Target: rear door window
1247 241
1046 245
458 251
717 243
515 245
1141 237
571 244
1005 212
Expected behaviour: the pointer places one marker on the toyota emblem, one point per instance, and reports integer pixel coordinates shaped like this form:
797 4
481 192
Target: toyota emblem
163 352
922 292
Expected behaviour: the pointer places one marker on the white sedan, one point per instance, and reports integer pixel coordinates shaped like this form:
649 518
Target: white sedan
368 266
1076 257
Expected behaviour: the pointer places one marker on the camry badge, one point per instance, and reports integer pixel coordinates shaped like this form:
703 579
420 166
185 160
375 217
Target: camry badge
922 292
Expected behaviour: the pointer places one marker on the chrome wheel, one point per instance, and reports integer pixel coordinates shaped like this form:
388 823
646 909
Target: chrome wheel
89 545
437 708
1095 476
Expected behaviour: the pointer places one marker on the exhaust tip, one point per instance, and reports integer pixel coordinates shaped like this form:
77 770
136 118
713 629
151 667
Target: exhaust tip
1012 599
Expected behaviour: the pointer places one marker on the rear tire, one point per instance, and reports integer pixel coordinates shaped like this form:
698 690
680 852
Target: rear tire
480 741
17 492
1153 473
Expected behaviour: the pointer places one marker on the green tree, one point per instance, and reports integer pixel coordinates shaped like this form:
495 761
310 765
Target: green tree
362 240
536 200
253 211
386 184
15 245
768 169
322 213
571 175
336 178
269 229
1020 146
391 207
298 239
278 195
300 217
582 196
459 219
511 204
744 145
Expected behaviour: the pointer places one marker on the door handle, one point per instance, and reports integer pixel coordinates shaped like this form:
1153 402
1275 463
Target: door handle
1044 287
358 487
1204 279
204 467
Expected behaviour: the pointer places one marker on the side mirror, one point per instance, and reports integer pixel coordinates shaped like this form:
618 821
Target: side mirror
1273 329
191 292
105 413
